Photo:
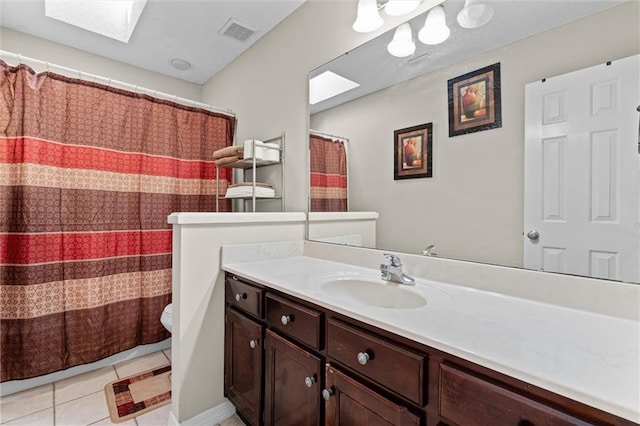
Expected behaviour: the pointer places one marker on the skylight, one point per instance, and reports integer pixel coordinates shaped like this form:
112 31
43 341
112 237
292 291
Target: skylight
111 18
327 85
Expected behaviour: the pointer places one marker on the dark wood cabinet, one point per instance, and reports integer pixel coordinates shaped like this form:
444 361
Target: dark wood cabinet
292 383
243 370
302 364
349 402
467 399
395 368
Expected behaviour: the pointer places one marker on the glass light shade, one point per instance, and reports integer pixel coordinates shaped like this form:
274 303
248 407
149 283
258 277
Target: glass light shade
402 44
435 29
368 18
400 7
474 14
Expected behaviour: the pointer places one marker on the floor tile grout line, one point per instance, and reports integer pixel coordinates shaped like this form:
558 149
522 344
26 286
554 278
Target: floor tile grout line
26 415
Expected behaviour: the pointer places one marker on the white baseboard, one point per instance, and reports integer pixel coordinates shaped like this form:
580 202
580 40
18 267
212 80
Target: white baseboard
212 416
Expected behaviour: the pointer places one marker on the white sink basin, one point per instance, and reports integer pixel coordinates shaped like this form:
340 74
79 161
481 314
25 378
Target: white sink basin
373 292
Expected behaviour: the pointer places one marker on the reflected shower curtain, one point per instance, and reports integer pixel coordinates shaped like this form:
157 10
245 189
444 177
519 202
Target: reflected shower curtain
328 160
88 175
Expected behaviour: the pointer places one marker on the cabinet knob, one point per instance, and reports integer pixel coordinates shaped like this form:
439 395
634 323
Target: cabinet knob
327 394
286 319
309 381
253 344
363 358
241 296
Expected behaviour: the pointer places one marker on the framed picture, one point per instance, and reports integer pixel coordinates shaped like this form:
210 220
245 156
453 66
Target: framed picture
474 101
413 154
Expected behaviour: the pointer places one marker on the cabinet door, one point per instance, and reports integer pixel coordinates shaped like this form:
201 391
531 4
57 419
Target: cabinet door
469 399
243 365
349 402
292 391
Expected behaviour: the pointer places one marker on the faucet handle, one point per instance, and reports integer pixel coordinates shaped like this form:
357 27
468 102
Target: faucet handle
393 259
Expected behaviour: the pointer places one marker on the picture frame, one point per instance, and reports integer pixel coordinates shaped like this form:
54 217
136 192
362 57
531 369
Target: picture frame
475 101
413 152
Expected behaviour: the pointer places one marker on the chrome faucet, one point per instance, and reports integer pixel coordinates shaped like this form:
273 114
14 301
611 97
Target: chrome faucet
393 271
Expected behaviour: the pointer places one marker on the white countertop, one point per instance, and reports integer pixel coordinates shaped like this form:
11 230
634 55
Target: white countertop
588 357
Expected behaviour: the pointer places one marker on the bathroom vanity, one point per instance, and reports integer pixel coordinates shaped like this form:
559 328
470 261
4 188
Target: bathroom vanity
301 348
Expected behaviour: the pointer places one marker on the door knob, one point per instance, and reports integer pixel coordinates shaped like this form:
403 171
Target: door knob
533 235
253 344
327 394
309 381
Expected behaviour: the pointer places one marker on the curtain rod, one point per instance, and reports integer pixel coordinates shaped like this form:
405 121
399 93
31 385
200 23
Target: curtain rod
111 83
317 133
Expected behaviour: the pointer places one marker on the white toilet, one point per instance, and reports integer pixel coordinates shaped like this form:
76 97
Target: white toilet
165 318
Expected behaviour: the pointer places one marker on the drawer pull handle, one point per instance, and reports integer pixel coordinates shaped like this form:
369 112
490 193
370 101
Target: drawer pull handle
363 358
286 319
253 344
240 297
309 381
327 394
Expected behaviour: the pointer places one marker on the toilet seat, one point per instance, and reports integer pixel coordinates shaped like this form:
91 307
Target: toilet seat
166 317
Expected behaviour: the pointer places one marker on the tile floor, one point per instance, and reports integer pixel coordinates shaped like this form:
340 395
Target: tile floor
80 400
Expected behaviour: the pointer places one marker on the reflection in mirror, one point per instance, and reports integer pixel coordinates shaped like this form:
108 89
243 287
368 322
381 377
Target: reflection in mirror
328 165
473 207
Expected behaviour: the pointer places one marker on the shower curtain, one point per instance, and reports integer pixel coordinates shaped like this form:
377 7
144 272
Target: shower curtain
88 175
328 160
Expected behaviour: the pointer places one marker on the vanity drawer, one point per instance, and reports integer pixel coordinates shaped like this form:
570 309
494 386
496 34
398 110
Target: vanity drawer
245 297
394 367
468 399
292 319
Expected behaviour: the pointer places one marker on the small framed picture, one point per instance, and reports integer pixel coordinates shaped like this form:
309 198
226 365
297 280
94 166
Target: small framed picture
413 152
474 101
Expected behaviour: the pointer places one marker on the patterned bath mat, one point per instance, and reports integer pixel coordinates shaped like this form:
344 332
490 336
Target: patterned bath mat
138 394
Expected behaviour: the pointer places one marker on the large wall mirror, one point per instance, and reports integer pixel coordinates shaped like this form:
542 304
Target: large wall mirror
472 207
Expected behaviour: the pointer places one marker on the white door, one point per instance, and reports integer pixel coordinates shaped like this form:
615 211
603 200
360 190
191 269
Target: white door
582 172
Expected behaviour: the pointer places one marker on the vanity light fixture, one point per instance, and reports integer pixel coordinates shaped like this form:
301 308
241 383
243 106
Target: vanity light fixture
368 18
474 14
435 29
402 44
400 7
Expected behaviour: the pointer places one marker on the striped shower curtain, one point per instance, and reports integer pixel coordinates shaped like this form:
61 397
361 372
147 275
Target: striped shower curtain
328 161
88 175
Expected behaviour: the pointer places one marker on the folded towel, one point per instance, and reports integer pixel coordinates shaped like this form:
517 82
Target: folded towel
226 160
229 151
258 184
247 191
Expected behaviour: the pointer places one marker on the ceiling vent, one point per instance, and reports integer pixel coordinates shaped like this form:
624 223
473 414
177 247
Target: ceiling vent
236 30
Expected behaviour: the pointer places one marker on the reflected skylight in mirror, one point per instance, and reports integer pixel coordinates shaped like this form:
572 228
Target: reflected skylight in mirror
111 18
327 85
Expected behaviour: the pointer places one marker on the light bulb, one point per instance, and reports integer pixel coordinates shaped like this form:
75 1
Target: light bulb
474 14
402 44
435 29
368 18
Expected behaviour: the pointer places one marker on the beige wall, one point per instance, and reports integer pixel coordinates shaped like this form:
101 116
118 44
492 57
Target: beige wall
472 208
58 54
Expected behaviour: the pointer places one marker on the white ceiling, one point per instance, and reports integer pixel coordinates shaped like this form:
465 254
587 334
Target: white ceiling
374 68
167 29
